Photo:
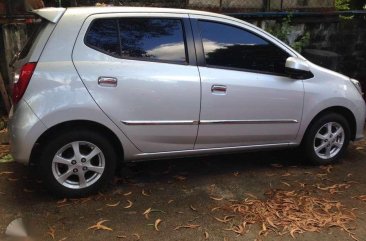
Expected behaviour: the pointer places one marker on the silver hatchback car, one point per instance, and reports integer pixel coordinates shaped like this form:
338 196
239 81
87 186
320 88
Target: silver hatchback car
94 87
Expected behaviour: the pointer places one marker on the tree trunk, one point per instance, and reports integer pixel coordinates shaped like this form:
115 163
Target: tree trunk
4 95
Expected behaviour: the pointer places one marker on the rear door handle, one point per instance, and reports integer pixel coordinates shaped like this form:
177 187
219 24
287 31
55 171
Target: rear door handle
107 81
219 89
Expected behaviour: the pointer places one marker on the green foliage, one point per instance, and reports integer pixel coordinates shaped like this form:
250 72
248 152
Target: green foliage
342 5
283 31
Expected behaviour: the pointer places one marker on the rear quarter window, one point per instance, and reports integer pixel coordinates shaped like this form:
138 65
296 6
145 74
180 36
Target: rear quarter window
37 29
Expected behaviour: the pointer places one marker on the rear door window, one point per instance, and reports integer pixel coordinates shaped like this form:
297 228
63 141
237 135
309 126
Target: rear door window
151 39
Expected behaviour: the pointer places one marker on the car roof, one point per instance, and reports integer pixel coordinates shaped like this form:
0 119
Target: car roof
54 14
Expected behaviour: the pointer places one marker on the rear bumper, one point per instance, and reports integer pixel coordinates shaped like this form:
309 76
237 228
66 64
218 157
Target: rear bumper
24 130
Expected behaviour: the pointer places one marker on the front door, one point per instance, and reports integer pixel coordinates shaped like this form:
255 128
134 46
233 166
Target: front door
246 97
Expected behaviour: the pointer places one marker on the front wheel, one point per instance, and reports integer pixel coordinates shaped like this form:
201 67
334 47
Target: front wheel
327 139
77 163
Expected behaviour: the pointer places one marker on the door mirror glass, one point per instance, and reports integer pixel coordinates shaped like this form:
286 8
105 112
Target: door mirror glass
298 68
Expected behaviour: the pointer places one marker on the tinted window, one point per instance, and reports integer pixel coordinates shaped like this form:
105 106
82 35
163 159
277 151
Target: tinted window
103 35
152 38
37 29
232 47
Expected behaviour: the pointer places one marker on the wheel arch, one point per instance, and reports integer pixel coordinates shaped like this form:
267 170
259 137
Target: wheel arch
345 112
76 124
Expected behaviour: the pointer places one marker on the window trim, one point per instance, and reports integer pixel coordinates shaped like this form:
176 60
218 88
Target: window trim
119 56
201 53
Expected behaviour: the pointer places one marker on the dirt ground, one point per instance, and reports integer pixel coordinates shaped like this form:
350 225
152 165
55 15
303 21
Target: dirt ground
180 197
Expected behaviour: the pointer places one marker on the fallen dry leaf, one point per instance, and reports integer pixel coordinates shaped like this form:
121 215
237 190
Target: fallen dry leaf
287 174
146 213
225 219
51 232
286 183
13 179
180 178
193 208
327 168
6 173
250 195
144 193
127 194
100 226
215 208
217 198
156 225
113 204
263 230
187 226
129 204
62 201
170 201
136 235
362 198
276 165
205 234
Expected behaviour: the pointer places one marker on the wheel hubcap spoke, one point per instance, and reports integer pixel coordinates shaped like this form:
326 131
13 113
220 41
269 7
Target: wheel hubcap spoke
62 160
338 132
320 136
329 128
92 154
82 181
327 151
62 178
76 149
95 169
321 147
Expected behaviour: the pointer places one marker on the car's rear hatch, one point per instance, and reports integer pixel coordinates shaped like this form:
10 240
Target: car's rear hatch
44 24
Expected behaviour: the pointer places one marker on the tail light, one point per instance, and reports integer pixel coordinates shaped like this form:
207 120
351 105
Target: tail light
24 77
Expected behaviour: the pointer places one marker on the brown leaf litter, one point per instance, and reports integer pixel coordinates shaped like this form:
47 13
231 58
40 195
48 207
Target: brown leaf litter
289 212
99 226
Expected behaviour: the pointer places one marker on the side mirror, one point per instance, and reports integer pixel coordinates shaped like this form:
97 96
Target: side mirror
297 68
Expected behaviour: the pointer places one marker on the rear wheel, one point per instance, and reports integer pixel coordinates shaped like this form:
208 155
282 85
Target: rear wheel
327 139
77 163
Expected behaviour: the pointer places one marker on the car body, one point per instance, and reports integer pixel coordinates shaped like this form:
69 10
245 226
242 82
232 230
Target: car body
175 99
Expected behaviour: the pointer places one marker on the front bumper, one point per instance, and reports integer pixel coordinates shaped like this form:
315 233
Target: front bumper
24 130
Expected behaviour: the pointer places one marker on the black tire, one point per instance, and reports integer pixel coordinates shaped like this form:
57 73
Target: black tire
59 140
309 138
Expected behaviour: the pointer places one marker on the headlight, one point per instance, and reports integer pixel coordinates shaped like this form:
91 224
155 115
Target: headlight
357 84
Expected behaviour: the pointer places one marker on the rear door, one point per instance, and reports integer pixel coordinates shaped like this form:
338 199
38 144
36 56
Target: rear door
141 70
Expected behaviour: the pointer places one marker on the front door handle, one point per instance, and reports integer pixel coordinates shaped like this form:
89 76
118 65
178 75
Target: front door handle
219 89
107 81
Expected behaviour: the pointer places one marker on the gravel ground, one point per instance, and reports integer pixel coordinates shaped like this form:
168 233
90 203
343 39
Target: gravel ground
183 192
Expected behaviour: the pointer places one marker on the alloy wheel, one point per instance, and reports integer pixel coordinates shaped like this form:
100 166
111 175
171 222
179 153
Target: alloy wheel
329 140
78 164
